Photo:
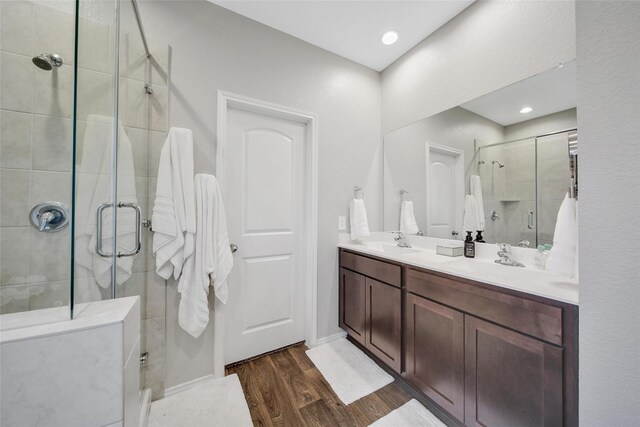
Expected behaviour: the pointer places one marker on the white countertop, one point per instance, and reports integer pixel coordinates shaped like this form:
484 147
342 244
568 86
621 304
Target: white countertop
482 268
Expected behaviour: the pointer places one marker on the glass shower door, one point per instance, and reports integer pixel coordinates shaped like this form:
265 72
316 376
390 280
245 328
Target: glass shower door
554 177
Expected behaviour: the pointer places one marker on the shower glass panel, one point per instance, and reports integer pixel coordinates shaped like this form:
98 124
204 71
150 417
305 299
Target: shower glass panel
94 150
36 112
554 177
507 172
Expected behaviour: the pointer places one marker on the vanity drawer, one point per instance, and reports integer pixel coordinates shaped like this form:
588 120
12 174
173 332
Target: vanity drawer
532 318
379 270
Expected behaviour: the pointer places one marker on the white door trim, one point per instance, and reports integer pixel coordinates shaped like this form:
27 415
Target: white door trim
227 100
459 185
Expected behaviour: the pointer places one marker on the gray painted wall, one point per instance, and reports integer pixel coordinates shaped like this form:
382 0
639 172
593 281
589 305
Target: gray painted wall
214 49
608 45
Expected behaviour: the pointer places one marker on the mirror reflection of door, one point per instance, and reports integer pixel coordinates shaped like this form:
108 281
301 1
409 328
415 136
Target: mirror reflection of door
445 181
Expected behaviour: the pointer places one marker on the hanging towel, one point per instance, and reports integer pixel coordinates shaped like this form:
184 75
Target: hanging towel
174 214
408 224
212 260
358 219
94 187
470 219
475 186
562 257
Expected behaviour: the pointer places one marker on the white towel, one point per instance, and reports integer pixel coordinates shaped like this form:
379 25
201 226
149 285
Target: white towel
470 219
408 224
562 257
94 187
212 260
475 187
174 215
358 219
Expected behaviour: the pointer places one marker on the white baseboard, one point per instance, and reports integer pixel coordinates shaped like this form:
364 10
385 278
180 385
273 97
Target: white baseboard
330 338
186 386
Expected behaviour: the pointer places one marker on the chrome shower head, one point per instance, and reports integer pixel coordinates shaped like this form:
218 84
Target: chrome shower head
47 61
500 165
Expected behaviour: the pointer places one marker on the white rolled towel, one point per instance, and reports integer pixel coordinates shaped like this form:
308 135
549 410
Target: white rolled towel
408 224
563 254
358 219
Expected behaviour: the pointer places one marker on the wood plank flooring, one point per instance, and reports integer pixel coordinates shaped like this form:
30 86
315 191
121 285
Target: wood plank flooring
286 389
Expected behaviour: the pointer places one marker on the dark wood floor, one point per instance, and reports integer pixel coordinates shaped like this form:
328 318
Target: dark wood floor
286 389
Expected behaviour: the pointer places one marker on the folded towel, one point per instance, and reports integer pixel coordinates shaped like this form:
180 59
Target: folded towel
470 219
94 183
408 224
562 257
174 216
358 219
212 260
475 186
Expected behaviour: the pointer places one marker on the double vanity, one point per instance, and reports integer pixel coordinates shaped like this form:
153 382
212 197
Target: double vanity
490 345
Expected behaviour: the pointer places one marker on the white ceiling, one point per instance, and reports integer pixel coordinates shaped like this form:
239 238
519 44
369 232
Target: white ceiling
352 29
547 93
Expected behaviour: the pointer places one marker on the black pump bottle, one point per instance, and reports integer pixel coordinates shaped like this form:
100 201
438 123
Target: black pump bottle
469 246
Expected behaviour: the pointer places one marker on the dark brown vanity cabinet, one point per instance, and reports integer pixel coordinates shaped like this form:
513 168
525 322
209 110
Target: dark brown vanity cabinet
511 379
370 309
435 352
352 304
486 355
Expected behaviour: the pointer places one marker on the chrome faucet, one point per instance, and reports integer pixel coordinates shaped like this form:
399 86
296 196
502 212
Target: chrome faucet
402 242
506 256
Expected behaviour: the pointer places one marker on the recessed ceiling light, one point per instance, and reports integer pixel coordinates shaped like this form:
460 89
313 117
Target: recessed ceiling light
526 110
390 37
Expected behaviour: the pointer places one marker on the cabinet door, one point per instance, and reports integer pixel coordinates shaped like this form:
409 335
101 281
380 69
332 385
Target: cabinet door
384 322
511 379
435 352
352 304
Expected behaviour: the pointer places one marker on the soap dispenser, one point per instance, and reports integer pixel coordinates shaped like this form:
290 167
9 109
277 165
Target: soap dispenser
469 246
479 237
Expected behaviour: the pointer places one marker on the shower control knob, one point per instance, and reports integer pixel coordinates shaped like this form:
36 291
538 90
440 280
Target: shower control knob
50 216
234 248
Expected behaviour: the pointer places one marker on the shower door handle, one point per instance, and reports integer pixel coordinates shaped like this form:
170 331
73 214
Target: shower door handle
530 220
132 252
136 250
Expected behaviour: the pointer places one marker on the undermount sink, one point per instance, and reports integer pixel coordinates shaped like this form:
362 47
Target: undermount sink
388 248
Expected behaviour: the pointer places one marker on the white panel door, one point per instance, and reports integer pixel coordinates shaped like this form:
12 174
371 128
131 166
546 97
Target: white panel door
442 195
264 179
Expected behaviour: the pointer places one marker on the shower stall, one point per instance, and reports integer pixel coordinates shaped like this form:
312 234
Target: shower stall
84 101
524 183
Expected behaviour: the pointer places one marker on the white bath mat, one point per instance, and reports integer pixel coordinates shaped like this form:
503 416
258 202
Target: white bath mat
219 402
350 373
411 414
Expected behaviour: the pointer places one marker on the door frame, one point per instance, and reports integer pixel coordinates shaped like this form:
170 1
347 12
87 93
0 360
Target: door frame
226 101
459 184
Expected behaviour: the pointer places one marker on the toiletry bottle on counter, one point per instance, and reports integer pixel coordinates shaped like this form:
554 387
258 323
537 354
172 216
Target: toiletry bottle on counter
479 237
469 246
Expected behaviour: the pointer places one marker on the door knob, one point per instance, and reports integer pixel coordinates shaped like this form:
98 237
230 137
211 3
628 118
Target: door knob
234 248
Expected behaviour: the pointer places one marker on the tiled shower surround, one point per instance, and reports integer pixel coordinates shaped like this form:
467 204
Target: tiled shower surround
36 153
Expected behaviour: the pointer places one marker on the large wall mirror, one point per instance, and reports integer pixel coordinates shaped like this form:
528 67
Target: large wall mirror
519 147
